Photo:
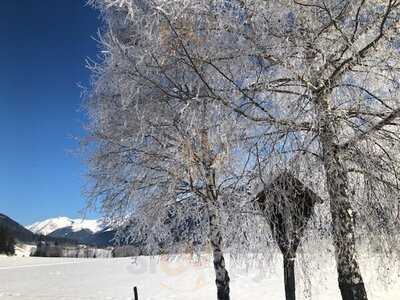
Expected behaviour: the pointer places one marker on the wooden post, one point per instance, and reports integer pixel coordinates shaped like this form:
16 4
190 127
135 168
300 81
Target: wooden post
289 277
135 292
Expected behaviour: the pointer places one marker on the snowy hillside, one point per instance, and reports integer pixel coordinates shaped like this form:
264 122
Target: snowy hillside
48 226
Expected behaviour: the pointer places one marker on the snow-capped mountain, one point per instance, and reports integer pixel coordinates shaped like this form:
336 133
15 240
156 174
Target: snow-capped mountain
25 236
89 232
48 226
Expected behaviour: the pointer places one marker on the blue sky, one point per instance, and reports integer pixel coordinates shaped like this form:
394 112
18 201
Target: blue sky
43 47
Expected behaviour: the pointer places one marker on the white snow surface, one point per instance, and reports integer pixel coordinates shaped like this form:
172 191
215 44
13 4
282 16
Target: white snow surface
27 278
48 226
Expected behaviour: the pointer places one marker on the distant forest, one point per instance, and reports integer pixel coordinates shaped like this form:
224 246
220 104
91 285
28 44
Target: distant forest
7 241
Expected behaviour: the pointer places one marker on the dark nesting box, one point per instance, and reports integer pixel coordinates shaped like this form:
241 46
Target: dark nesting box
287 205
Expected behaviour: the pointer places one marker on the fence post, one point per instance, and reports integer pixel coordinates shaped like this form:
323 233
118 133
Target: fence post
135 293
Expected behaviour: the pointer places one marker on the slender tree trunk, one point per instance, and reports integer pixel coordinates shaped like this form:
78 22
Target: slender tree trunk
290 282
215 236
221 274
349 276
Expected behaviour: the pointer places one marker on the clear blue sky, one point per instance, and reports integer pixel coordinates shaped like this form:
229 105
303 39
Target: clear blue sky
43 47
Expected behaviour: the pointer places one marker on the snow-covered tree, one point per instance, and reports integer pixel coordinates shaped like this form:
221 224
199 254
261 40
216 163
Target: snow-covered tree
326 92
311 86
166 155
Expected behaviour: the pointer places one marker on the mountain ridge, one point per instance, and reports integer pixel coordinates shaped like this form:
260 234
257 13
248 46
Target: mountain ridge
48 226
24 235
17 230
84 231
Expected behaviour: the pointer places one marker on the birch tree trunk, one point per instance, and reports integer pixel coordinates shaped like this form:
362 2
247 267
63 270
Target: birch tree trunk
349 276
221 274
211 200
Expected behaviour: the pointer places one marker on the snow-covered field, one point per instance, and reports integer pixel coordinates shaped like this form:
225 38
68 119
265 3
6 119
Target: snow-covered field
27 278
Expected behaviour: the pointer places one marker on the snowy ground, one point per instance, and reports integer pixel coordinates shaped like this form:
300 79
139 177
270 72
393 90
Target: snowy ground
26 278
